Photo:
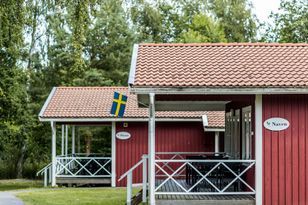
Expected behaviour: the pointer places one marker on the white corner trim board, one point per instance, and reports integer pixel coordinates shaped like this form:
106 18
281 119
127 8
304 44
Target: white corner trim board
258 149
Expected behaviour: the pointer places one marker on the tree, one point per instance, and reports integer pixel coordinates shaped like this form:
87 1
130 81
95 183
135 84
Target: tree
13 100
171 21
290 23
109 43
203 29
236 19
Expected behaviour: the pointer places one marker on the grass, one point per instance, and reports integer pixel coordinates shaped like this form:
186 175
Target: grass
75 196
16 184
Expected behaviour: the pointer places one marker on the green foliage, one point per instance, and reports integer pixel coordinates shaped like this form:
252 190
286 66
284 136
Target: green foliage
236 19
203 29
290 23
109 42
16 184
194 21
14 99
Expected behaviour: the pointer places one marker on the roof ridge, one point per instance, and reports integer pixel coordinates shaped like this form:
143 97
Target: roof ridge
92 87
225 44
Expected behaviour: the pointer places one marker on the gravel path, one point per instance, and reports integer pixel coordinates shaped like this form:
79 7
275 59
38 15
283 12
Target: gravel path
7 198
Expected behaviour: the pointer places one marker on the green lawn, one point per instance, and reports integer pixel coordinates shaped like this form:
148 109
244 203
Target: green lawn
16 184
75 196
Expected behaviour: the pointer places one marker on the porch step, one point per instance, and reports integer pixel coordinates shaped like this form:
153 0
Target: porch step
83 180
206 200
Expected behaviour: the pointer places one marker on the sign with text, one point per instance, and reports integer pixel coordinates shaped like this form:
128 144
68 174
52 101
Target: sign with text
276 124
123 135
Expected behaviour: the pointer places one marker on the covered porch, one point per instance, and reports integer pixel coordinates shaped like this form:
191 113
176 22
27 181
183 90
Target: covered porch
79 155
228 172
226 175
83 154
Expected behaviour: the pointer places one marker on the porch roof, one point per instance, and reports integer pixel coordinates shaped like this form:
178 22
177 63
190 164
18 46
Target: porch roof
95 103
219 65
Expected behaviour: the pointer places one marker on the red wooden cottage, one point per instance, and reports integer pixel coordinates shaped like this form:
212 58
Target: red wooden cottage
263 90
71 109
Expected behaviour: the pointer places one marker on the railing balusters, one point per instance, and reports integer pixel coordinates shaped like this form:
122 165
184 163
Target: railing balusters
45 178
234 169
129 178
75 166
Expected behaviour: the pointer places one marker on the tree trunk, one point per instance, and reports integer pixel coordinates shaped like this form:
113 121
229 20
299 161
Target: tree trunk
20 162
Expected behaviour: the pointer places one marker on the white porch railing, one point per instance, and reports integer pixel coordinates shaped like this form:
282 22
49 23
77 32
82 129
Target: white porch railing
46 172
129 178
204 177
181 156
82 166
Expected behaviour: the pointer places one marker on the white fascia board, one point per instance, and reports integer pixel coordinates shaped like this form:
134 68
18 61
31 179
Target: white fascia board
131 78
205 121
214 129
47 102
217 91
118 119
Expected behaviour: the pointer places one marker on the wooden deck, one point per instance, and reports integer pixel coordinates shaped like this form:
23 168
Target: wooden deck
171 186
83 180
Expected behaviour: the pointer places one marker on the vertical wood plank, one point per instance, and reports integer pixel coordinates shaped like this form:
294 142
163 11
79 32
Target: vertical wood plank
302 154
274 154
295 150
267 193
281 156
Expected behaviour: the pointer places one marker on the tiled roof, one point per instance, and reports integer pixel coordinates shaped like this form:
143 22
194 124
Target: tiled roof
222 65
95 102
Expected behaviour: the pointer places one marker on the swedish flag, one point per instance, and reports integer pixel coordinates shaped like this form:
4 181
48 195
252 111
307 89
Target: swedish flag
118 105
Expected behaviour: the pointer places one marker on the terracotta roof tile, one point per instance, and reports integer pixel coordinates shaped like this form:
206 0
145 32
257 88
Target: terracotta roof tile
95 102
222 65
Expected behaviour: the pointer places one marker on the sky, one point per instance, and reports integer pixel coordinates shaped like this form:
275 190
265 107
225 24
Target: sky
263 8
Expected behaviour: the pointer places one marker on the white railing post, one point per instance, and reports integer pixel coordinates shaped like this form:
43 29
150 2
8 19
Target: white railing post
113 154
45 177
152 149
53 153
50 173
144 179
73 139
258 149
66 140
216 142
62 140
129 188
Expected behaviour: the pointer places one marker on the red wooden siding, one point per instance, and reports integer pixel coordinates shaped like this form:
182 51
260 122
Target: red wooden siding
170 137
285 153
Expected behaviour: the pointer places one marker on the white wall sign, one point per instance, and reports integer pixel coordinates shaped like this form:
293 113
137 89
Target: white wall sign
123 135
276 124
